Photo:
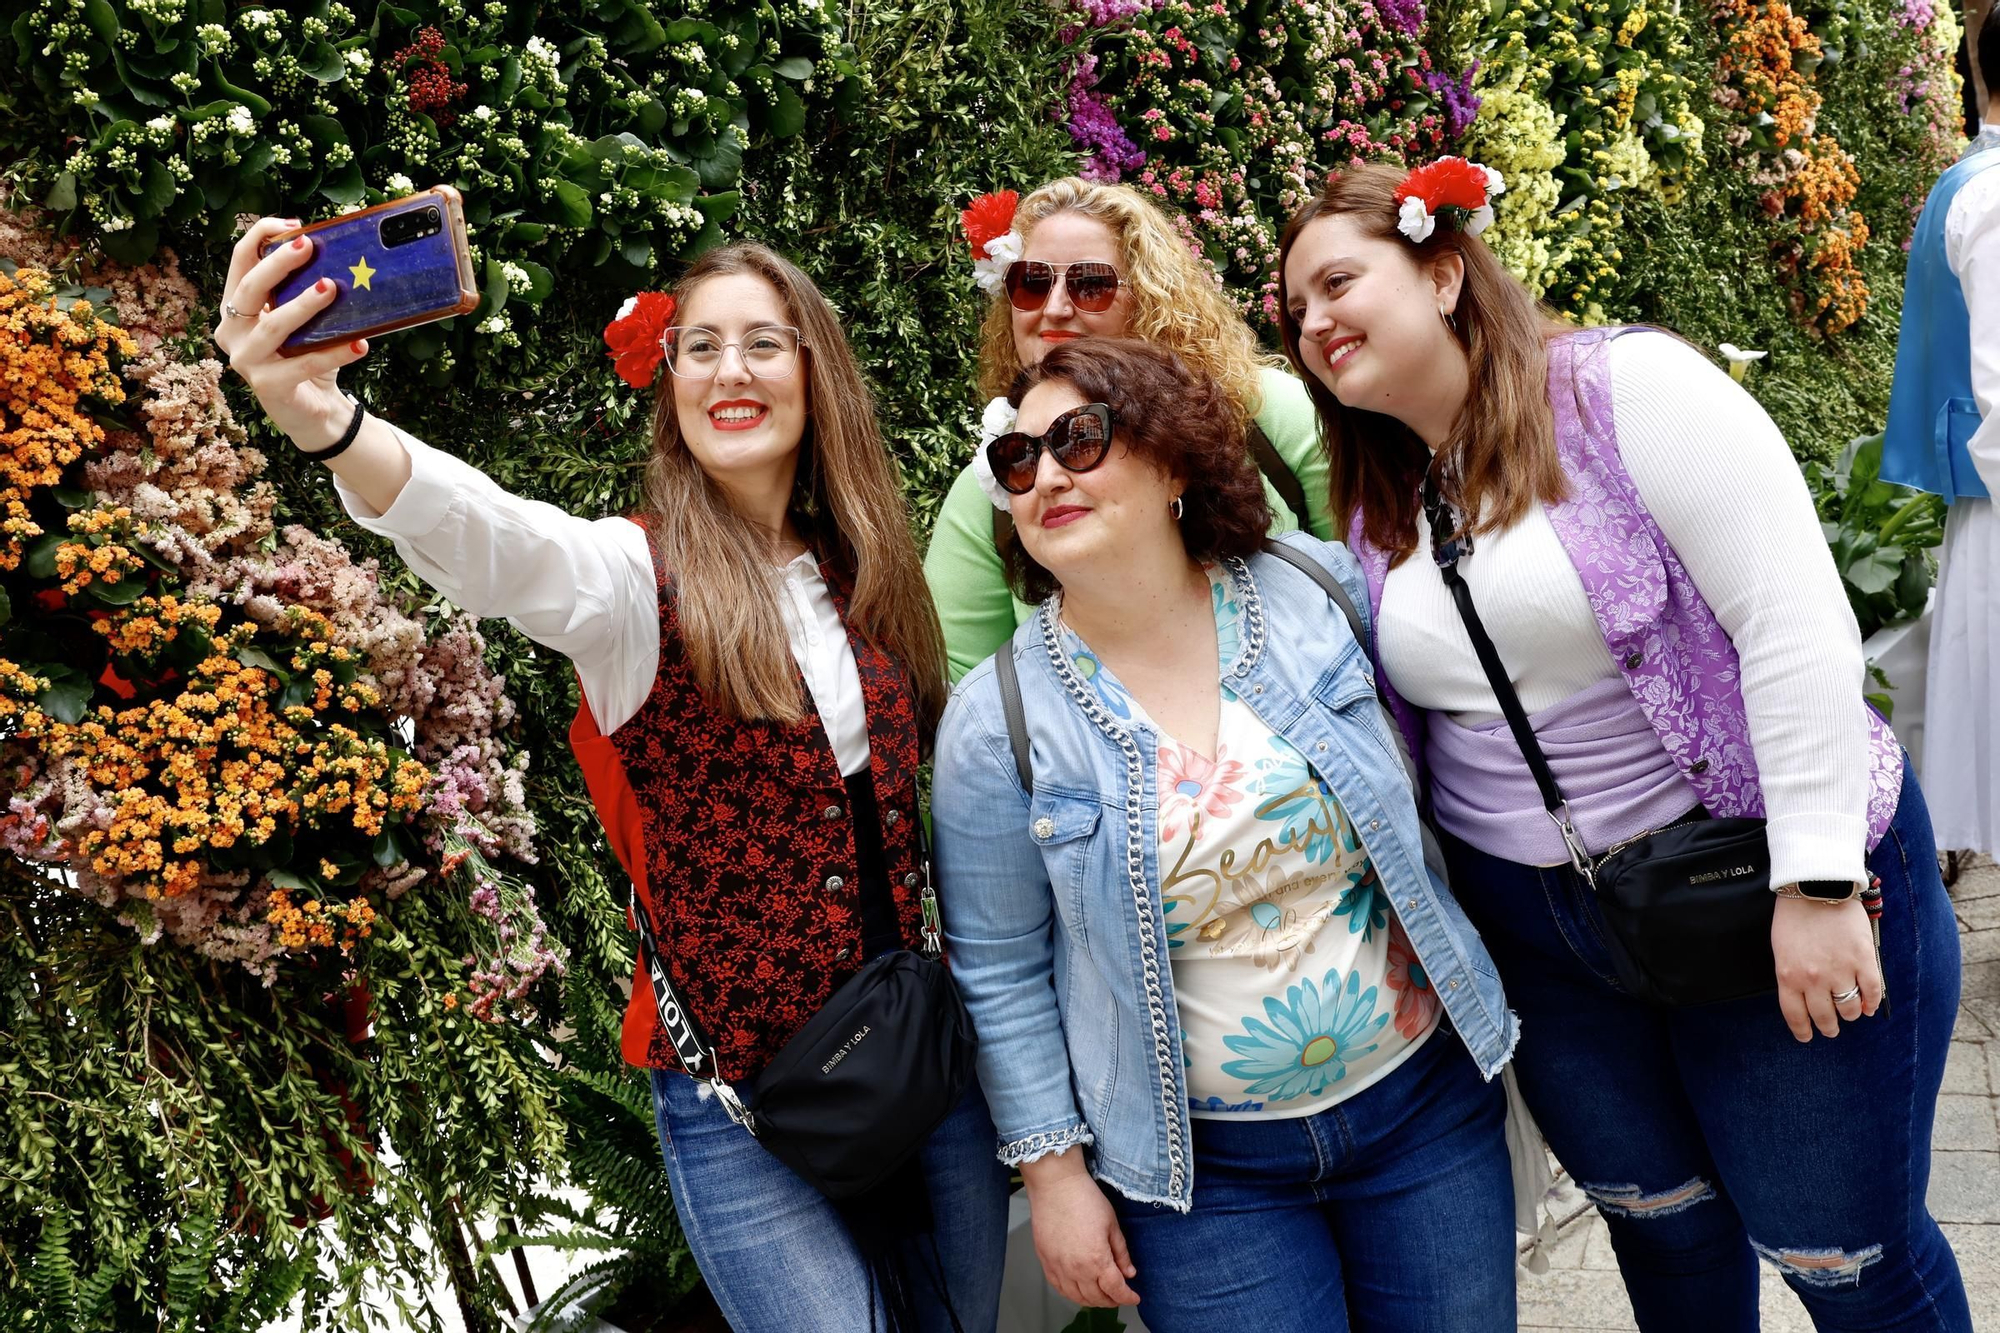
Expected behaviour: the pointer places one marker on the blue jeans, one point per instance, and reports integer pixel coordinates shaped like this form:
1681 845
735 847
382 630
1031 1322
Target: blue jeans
1709 1136
777 1257
1391 1211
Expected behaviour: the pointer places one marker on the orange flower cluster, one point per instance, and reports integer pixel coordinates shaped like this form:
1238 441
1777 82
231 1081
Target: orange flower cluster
53 362
1767 54
18 689
236 756
313 923
146 627
102 555
1760 55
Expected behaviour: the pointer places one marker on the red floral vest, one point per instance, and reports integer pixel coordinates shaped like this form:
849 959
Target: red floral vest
738 838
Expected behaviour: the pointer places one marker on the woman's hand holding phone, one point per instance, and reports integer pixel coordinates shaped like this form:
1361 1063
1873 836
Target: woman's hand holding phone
300 394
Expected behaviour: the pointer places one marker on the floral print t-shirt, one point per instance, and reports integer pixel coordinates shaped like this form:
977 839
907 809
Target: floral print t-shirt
1297 987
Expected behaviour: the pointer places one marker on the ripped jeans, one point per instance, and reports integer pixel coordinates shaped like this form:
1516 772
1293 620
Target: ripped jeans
1709 1136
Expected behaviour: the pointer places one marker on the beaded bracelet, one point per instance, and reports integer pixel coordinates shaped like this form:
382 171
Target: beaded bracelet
347 437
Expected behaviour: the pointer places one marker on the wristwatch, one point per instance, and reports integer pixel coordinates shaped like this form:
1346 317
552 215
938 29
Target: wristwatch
1829 891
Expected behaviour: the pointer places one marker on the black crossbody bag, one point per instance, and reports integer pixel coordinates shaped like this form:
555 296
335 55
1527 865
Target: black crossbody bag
1688 906
857 1090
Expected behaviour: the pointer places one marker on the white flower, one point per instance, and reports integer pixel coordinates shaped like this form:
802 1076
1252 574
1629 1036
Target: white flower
1495 184
1481 219
1414 220
399 184
482 113
997 420
1739 359
239 121
517 277
991 272
631 304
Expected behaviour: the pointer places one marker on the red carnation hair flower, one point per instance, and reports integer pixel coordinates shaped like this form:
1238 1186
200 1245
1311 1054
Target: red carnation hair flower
637 337
990 217
1449 182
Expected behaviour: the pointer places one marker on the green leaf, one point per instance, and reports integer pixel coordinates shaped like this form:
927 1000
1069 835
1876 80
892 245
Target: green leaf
103 20
794 68
134 245
41 561
286 879
322 63
67 698
573 204
1874 572
344 185
156 189
62 195
123 592
540 282
787 113
6 607
250 655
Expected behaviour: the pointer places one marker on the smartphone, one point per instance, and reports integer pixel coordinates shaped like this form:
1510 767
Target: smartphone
398 264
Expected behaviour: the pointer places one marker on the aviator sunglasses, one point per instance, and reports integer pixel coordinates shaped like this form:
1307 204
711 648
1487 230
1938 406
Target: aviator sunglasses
1093 284
1078 439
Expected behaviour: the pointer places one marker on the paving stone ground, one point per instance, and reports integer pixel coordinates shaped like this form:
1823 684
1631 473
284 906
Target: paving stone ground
1581 1292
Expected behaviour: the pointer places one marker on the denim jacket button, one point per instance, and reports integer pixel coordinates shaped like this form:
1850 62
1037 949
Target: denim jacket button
1411 905
1322 747
1452 984
1045 828
1374 824
1256 689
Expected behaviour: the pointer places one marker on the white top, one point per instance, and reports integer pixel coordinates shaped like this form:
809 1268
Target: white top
585 587
1972 250
1719 480
1295 985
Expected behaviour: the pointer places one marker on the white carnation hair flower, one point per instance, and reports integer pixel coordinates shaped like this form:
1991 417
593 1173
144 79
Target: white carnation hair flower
991 272
997 420
1414 220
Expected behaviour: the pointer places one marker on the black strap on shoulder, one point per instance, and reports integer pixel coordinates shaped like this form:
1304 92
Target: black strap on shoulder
1273 465
1447 548
1330 585
1017 717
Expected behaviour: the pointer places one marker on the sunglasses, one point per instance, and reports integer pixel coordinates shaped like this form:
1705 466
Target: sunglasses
1078 439
1093 284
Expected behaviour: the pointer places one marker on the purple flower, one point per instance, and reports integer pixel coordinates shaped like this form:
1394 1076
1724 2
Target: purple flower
1460 103
1407 16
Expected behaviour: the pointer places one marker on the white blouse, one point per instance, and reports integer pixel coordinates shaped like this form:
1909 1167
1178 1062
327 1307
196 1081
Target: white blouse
586 588
1720 481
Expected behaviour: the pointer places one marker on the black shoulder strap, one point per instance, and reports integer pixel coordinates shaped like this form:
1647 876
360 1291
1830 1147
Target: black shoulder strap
1273 465
1017 718
1447 547
1330 585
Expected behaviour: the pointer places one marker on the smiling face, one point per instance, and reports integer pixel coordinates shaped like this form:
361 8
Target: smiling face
1069 238
1368 311
1081 524
743 430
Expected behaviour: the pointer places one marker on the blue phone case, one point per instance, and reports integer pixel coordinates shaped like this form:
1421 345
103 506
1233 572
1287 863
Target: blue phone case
383 286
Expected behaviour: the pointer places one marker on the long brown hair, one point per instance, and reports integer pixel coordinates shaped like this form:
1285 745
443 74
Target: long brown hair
1501 453
1176 303
845 496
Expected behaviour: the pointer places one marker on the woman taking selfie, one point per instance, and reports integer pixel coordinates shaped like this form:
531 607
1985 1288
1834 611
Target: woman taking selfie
760 668
1081 259
1190 912
1613 630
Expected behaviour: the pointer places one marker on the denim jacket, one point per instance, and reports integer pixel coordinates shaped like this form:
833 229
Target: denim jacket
1052 910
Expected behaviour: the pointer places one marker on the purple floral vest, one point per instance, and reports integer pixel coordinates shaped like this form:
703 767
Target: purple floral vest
1675 656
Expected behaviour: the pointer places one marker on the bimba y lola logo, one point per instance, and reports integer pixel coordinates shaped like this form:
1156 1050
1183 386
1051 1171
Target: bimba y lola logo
845 1047
1717 876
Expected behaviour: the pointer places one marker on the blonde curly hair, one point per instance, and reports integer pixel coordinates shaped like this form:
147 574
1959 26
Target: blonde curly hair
1176 301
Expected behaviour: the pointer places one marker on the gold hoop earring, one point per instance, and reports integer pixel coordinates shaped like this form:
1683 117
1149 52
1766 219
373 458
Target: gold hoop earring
1176 508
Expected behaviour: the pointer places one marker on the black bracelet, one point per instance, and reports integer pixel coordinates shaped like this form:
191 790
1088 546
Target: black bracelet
347 437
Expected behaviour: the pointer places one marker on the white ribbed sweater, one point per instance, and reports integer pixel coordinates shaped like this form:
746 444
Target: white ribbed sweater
1724 488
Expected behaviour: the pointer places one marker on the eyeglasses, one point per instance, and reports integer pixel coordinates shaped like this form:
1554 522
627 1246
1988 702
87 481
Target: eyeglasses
1093 284
769 351
1078 439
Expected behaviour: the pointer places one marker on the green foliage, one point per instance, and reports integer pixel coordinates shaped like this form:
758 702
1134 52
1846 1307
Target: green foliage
1881 534
583 135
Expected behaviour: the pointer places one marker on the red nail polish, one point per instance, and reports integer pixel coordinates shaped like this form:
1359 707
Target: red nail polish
357 347
321 285
299 244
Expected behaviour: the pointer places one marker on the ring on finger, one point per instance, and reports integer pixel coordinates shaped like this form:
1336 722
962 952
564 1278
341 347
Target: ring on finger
232 311
1852 992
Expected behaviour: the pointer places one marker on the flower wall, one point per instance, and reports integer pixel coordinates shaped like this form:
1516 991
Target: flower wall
261 908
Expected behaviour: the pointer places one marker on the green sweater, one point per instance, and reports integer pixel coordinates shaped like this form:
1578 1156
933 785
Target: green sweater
969 583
